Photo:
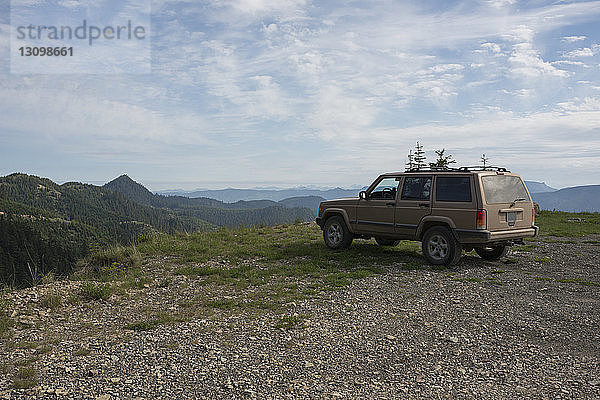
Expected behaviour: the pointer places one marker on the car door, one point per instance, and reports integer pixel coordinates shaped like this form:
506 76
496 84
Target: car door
412 204
375 213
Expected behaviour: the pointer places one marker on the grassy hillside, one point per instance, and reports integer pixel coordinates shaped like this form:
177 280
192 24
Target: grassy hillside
46 227
558 223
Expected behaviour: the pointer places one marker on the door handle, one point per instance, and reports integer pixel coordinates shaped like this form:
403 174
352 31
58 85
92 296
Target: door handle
423 204
390 204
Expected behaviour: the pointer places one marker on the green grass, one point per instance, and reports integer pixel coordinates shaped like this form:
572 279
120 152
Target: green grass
82 352
25 378
154 321
555 223
51 301
91 291
5 321
579 281
259 255
543 259
27 345
467 279
288 322
109 263
5 324
525 247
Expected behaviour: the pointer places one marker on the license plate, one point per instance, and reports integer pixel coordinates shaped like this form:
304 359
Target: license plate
511 218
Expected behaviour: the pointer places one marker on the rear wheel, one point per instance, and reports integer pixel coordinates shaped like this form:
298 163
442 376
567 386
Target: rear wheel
336 233
386 242
440 247
492 253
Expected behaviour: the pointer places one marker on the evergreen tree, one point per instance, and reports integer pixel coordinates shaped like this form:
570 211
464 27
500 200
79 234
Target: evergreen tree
484 160
410 164
419 156
443 161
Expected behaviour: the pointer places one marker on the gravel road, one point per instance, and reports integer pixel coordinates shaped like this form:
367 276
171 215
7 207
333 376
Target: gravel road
525 327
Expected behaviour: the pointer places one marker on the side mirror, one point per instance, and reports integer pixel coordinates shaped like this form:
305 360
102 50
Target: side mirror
362 195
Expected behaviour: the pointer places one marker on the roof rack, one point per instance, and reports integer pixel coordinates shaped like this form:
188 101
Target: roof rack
482 168
460 169
431 169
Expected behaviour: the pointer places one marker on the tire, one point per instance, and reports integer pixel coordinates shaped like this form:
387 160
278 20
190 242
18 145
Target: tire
336 233
492 253
386 242
440 247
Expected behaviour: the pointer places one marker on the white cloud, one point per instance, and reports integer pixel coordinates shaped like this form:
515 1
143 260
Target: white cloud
492 47
581 105
567 62
583 52
339 115
440 68
500 3
527 62
573 39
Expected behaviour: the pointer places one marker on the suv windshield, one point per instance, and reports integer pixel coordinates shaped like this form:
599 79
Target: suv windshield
503 189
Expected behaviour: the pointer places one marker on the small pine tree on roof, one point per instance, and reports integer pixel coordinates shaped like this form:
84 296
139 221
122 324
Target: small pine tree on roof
443 161
410 164
419 156
484 160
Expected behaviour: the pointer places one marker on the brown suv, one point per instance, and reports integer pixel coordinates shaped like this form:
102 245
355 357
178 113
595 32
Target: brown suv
448 210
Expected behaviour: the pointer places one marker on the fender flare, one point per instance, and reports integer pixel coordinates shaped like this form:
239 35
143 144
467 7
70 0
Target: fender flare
434 220
338 211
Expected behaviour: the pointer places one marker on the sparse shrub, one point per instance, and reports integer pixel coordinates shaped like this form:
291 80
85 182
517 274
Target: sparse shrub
165 282
51 301
82 352
91 291
5 324
291 322
110 262
25 378
141 326
5 321
161 318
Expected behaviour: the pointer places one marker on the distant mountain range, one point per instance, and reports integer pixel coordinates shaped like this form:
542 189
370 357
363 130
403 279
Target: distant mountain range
241 213
580 198
573 199
232 195
538 187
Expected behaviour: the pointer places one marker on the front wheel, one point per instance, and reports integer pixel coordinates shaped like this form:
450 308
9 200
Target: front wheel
492 253
336 233
386 242
440 247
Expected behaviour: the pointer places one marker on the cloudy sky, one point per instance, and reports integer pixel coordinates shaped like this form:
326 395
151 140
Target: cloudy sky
297 92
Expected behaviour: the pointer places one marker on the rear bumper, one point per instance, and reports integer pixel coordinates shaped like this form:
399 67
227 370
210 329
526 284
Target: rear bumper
472 236
320 222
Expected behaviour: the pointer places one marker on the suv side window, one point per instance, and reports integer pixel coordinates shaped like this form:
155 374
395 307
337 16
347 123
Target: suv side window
386 189
453 188
416 188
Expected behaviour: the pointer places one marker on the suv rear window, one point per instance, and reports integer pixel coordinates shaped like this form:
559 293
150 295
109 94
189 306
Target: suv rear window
503 189
453 188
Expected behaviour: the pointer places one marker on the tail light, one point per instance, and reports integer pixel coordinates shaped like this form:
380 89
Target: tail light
533 216
320 209
481 219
